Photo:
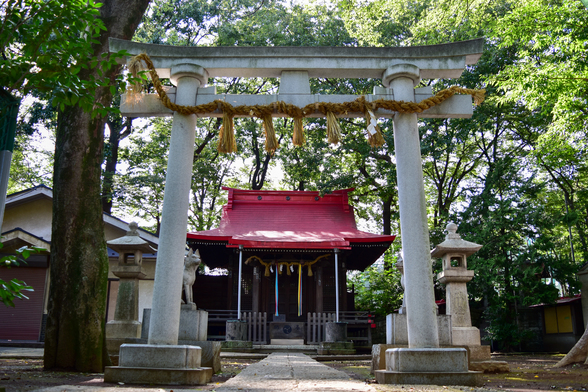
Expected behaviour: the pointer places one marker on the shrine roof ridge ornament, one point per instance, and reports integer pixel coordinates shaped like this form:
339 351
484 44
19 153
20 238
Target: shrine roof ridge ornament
434 61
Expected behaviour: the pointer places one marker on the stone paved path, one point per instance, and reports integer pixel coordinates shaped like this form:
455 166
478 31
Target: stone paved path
291 372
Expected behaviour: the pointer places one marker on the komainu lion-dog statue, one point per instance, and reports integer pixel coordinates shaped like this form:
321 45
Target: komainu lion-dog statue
191 262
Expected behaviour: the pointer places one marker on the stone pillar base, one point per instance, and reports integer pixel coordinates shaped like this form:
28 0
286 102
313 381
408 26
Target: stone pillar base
379 355
162 365
210 351
128 375
236 330
465 336
335 332
435 366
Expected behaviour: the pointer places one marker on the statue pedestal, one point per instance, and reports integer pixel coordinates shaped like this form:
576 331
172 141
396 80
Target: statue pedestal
162 365
193 323
466 336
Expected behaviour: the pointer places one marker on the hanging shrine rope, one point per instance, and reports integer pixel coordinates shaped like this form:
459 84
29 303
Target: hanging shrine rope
289 270
227 143
299 290
288 265
277 296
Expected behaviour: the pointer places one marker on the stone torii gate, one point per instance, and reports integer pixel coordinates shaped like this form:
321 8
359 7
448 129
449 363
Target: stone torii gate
400 69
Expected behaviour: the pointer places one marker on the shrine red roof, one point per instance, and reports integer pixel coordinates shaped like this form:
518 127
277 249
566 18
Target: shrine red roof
288 220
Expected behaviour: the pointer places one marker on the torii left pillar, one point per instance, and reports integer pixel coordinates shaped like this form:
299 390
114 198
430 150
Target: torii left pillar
162 360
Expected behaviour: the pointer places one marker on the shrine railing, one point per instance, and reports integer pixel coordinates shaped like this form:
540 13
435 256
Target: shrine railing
256 324
359 326
315 326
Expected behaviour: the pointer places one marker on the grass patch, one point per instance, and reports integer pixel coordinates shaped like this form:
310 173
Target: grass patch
362 370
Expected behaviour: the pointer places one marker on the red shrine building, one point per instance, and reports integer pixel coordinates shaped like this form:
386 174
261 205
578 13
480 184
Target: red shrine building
294 248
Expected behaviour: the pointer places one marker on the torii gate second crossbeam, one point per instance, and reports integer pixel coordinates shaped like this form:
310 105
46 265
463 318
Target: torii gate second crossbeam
400 69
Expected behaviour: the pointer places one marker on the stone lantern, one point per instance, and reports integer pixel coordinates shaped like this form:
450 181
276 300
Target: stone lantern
454 252
126 315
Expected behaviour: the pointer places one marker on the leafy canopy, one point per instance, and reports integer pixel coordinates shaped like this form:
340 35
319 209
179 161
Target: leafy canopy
47 46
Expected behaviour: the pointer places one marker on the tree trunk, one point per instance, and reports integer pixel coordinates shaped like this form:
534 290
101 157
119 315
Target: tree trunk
79 263
259 172
578 353
119 129
387 214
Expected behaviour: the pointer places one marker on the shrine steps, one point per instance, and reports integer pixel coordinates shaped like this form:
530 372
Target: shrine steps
294 348
320 358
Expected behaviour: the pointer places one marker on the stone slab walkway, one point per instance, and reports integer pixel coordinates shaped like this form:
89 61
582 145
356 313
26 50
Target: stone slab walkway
291 372
21 352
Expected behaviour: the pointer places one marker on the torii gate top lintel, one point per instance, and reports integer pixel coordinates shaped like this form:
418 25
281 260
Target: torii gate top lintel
295 65
434 61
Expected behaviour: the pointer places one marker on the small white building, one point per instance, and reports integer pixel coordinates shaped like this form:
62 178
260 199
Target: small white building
27 222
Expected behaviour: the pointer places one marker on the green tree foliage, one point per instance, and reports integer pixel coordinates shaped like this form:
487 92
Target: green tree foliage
378 288
14 288
42 60
507 218
550 76
139 189
40 54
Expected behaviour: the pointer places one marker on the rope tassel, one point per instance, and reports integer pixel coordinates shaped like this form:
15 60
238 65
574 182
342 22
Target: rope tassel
333 128
135 87
478 95
375 137
226 141
271 143
296 112
298 137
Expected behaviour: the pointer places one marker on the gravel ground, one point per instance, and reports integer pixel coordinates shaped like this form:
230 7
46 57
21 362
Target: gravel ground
528 373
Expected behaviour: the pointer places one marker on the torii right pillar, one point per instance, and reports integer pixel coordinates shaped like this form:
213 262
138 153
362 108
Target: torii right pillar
423 362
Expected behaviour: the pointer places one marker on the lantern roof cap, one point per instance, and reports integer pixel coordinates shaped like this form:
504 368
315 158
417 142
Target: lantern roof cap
130 242
454 244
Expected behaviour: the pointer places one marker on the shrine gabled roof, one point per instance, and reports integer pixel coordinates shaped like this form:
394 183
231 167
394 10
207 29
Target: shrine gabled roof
288 220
